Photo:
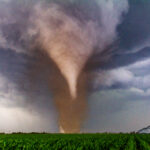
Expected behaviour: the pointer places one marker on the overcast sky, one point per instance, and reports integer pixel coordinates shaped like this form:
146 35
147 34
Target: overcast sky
121 103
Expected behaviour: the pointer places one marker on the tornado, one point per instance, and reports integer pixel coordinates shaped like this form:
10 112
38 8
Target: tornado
69 34
69 44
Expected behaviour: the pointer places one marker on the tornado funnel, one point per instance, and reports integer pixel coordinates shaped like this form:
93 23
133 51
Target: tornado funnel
69 44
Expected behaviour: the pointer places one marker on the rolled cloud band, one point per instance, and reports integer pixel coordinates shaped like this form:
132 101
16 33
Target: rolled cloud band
69 33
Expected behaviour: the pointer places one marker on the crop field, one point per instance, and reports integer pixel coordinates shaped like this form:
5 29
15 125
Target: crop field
74 142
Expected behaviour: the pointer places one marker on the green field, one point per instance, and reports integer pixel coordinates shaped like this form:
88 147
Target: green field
74 141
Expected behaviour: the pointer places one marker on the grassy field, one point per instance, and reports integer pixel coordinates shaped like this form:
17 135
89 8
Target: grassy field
74 142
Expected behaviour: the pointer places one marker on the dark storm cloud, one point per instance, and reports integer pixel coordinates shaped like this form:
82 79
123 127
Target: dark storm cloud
132 32
135 28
